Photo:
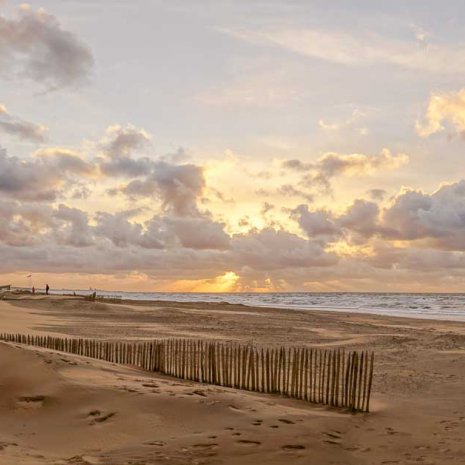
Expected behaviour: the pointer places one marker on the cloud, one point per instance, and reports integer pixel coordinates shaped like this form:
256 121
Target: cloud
34 45
271 249
361 217
27 180
40 178
333 164
377 194
22 225
198 233
289 190
178 187
66 161
357 49
162 232
118 146
72 227
319 174
439 218
117 228
442 108
20 128
348 122
317 223
120 142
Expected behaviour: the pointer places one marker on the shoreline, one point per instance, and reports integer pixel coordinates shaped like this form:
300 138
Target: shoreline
345 311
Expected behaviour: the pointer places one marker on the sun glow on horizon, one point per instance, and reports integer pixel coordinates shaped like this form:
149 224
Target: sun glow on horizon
226 282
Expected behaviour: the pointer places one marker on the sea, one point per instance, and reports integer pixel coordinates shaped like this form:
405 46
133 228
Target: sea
415 305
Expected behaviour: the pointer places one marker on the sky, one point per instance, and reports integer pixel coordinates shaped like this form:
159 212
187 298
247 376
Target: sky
223 146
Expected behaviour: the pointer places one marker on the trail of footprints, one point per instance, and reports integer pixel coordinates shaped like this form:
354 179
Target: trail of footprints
211 447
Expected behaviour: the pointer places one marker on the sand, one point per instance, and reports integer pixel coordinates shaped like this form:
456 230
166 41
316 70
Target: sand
63 409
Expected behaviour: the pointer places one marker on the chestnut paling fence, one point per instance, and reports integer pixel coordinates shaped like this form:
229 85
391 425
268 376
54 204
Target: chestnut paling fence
336 378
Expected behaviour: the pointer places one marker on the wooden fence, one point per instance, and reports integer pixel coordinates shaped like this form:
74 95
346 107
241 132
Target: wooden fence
330 377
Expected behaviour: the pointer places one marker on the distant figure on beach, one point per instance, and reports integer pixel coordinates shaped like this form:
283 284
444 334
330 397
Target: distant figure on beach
47 288
33 290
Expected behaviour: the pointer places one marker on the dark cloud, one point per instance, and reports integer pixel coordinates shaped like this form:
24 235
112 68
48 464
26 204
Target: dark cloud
67 161
21 225
40 178
438 218
35 45
288 190
377 194
118 146
118 229
270 249
317 223
361 217
179 187
27 180
72 227
20 128
318 175
198 233
332 164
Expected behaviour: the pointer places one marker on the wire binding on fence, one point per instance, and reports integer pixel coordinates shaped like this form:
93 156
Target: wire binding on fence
330 377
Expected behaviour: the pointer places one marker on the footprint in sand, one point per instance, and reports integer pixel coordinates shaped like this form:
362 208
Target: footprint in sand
83 460
4 445
290 447
246 442
97 417
30 402
205 446
156 443
333 438
150 385
257 423
287 422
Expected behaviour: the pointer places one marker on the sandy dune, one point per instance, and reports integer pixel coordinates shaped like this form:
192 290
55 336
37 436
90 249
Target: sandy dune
62 409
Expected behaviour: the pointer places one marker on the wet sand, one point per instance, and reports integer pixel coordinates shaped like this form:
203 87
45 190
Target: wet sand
63 409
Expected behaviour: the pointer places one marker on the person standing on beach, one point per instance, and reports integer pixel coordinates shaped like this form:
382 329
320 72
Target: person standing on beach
47 288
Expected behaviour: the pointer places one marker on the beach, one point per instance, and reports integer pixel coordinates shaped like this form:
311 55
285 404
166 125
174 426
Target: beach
63 409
